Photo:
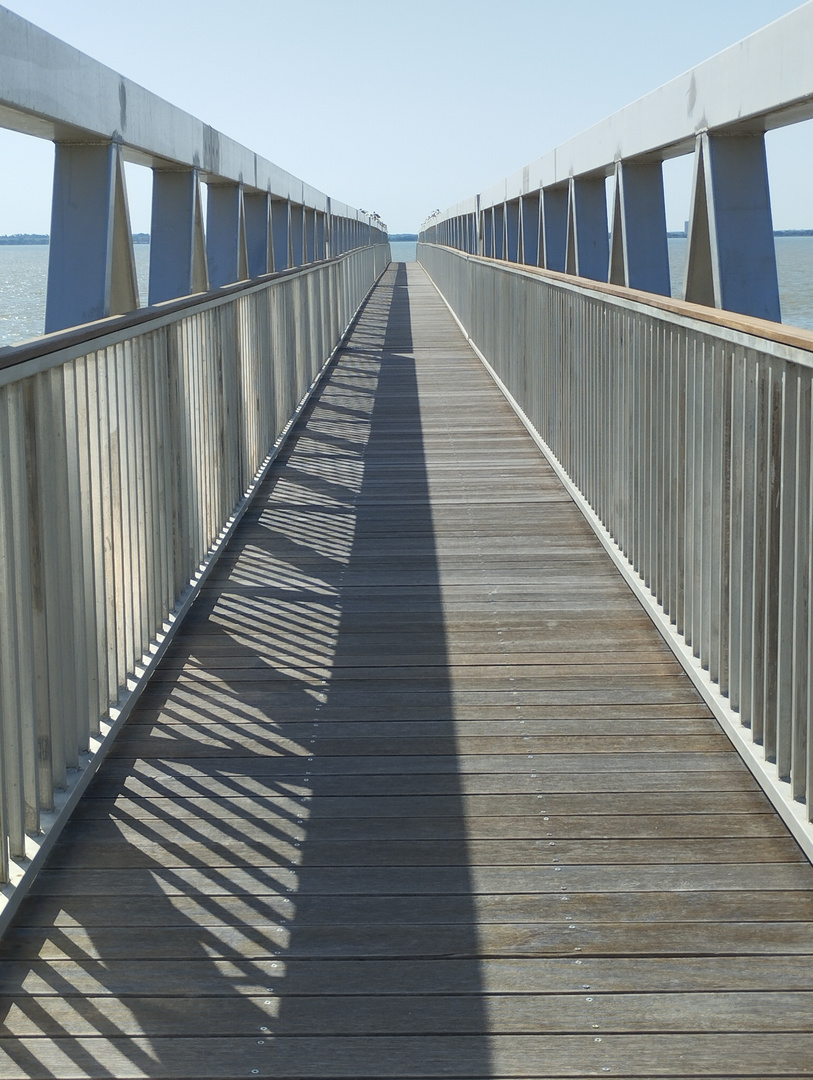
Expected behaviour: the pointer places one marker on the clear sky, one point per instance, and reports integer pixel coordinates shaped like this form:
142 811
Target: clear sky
400 107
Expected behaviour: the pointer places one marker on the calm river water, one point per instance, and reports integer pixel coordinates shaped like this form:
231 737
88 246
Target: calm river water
23 272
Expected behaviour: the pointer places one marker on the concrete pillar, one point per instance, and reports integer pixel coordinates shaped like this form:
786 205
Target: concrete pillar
297 234
259 242
177 239
588 247
639 254
226 235
529 222
280 232
731 258
310 235
512 230
553 217
91 266
499 230
487 218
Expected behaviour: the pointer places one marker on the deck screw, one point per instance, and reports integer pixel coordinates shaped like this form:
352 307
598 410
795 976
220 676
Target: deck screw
586 999
264 1028
585 986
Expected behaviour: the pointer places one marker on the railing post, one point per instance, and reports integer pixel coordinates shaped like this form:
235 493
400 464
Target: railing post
177 239
731 259
226 235
91 266
588 248
639 253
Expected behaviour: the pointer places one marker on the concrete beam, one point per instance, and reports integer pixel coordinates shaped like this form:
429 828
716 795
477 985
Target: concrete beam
51 90
763 82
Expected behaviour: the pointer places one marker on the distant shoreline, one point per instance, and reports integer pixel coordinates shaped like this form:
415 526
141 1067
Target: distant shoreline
43 240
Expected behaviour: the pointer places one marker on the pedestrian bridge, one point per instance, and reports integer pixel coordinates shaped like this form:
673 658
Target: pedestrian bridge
404 666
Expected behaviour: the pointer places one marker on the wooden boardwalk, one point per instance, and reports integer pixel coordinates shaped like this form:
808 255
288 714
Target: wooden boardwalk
418 791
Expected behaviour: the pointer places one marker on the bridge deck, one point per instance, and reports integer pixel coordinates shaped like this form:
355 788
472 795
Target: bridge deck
418 791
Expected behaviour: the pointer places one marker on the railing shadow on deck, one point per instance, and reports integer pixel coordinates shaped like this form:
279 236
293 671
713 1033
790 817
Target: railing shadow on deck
305 925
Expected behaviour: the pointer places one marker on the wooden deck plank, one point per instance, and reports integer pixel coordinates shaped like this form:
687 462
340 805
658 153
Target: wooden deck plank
418 790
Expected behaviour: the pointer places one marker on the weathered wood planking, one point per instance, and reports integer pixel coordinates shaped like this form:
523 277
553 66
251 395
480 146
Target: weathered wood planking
417 792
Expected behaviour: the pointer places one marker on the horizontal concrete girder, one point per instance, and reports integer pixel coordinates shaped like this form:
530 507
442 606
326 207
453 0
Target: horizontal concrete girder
51 90
763 82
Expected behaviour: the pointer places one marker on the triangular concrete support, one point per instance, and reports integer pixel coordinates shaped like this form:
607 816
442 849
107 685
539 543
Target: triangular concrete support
178 242
226 249
588 249
639 253
91 267
731 258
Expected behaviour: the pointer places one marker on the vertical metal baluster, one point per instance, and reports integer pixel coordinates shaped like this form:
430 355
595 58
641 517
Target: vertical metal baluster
787 598
736 565
772 560
801 703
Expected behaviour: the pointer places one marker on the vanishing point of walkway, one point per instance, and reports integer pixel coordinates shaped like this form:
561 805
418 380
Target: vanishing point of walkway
418 791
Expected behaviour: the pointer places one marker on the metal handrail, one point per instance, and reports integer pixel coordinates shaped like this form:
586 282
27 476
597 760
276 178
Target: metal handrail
125 452
687 445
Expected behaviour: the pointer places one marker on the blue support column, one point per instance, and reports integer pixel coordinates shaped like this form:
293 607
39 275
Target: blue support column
226 235
259 245
280 231
321 236
91 266
554 227
512 231
297 234
529 219
588 247
499 230
488 232
310 235
639 254
177 239
731 259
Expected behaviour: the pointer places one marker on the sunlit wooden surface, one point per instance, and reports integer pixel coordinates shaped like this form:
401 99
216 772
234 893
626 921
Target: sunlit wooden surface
418 791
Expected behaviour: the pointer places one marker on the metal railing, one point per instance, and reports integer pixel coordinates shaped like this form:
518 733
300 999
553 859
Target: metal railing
686 433
125 449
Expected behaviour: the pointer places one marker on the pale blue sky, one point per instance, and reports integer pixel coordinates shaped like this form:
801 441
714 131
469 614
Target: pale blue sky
401 107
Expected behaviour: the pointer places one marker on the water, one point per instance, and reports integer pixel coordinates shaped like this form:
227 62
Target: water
403 251
23 279
23 272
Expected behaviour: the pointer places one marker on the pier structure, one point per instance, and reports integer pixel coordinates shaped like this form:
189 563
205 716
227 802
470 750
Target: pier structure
404 667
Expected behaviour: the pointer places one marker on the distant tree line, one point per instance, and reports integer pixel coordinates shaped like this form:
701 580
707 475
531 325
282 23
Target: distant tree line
44 238
402 237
